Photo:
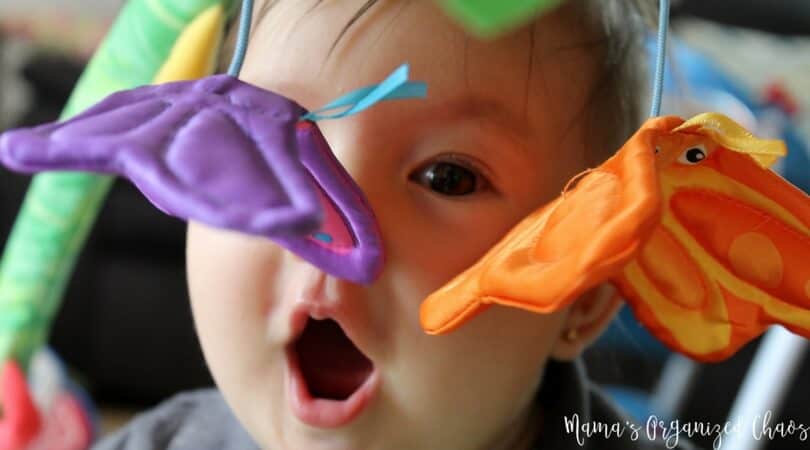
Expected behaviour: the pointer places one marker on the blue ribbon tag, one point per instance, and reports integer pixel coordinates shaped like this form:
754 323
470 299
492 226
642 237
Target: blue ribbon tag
395 87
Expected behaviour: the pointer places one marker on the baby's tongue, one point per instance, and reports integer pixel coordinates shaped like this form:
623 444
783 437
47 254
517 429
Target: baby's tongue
330 363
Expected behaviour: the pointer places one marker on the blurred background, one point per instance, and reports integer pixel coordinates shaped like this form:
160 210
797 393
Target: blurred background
125 329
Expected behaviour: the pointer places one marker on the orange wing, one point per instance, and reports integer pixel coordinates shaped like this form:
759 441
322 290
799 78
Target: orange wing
732 253
708 246
560 251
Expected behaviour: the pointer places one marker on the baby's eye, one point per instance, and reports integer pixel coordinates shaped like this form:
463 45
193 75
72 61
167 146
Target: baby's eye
448 178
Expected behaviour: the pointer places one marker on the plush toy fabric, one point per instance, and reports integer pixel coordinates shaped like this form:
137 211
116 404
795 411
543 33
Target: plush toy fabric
45 414
489 18
347 243
705 242
729 257
182 145
60 208
565 248
21 422
224 153
708 245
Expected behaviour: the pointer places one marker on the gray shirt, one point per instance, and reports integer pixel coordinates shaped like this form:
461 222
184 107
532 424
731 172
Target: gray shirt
201 420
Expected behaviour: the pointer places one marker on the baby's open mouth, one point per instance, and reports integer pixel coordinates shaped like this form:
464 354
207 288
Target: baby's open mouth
332 367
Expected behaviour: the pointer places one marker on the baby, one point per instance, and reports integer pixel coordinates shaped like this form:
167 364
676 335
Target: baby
305 361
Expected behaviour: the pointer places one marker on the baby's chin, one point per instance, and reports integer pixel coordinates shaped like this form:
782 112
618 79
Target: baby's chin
358 436
325 393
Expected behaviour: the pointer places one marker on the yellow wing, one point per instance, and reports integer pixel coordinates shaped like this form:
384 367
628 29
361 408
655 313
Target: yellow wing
732 253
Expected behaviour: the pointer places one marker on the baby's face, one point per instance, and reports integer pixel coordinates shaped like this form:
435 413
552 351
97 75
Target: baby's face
447 177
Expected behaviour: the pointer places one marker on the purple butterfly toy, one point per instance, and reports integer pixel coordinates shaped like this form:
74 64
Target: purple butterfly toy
228 154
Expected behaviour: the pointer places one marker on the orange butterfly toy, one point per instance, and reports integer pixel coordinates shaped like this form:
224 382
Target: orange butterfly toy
707 244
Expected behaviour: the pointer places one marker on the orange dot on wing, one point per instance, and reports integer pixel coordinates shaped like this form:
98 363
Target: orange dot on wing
672 271
807 289
755 256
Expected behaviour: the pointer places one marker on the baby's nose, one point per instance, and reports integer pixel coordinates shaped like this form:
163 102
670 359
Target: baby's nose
349 143
318 290
347 244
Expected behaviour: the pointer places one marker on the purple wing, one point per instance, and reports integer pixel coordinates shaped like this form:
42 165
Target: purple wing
216 150
348 243
221 152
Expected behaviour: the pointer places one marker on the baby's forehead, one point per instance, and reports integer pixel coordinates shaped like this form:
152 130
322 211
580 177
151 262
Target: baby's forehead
323 49
342 27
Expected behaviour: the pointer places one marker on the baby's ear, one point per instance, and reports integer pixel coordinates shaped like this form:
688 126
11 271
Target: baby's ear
587 318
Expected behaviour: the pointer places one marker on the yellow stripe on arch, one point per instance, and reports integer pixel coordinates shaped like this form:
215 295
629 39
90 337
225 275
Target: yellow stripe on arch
717 272
704 178
194 54
690 328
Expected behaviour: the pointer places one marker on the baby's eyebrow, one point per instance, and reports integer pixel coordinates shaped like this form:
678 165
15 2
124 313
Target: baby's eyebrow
472 106
267 5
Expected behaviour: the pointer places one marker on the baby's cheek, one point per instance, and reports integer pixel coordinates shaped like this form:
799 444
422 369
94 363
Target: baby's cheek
443 239
474 379
228 268
229 284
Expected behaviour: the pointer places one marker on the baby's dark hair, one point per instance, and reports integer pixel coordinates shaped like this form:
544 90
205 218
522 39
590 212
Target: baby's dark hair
615 30
617 100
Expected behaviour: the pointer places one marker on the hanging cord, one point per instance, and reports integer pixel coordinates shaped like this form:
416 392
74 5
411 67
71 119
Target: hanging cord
660 58
396 86
242 40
